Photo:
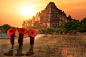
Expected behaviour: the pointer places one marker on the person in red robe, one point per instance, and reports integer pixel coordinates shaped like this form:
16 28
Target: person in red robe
12 39
31 40
20 40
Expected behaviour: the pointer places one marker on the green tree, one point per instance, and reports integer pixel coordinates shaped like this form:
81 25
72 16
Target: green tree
6 27
50 30
82 26
17 28
61 26
71 25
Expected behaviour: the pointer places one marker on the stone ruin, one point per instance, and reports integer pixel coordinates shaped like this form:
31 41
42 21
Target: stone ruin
51 16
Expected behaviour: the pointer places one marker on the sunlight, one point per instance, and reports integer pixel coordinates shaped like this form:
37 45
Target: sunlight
26 10
51 0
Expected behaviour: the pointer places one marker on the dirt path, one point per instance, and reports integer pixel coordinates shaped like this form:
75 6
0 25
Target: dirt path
51 46
5 43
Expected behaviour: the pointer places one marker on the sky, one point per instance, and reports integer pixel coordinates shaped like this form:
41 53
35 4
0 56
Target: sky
14 12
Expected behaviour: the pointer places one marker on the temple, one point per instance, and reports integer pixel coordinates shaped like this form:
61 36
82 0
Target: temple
51 16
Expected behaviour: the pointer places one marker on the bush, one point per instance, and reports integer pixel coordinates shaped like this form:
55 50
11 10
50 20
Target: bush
42 30
6 27
72 32
50 30
57 30
0 32
17 28
33 27
71 25
82 26
61 30
62 26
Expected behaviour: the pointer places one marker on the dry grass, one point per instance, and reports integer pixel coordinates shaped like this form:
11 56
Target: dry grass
51 46
74 44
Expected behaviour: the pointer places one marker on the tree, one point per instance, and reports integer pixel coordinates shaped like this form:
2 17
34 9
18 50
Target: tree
17 28
82 26
6 27
61 26
71 25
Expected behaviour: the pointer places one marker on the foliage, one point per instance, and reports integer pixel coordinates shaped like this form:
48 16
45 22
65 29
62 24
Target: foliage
33 27
17 28
42 30
57 30
72 31
82 26
0 32
60 26
6 27
71 25
61 30
50 30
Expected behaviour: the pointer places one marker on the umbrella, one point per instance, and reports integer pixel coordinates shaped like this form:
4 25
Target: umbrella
11 31
22 30
32 32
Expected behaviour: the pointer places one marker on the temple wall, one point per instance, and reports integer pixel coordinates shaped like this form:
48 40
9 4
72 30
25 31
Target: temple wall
51 16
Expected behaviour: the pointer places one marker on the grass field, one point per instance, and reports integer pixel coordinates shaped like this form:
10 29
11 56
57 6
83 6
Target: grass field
52 46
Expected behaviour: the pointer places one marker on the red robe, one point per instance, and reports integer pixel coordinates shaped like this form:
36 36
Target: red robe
20 40
31 40
12 39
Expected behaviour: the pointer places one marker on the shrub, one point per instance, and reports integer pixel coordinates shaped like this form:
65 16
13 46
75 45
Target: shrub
0 32
33 27
65 31
5 28
57 30
61 26
17 28
82 26
50 30
42 30
61 30
39 30
71 25
72 32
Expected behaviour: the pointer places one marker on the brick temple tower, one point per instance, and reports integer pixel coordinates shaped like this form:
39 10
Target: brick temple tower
51 16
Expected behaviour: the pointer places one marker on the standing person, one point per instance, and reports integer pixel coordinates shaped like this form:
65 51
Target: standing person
20 40
32 33
12 39
31 40
11 32
21 31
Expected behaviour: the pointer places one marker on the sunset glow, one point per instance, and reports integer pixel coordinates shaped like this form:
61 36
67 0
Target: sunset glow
14 12
27 11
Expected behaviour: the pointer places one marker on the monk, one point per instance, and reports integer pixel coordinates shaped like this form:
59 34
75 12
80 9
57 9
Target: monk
31 40
20 40
10 52
12 39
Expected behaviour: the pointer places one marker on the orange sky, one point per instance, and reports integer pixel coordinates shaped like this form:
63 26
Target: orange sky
14 12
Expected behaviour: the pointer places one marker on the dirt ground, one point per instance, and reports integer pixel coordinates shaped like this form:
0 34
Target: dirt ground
50 46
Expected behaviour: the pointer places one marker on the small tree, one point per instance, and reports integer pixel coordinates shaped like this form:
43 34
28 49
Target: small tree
71 25
50 30
82 26
61 26
17 28
6 27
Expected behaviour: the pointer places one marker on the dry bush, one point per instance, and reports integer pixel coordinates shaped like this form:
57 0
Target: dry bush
65 32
